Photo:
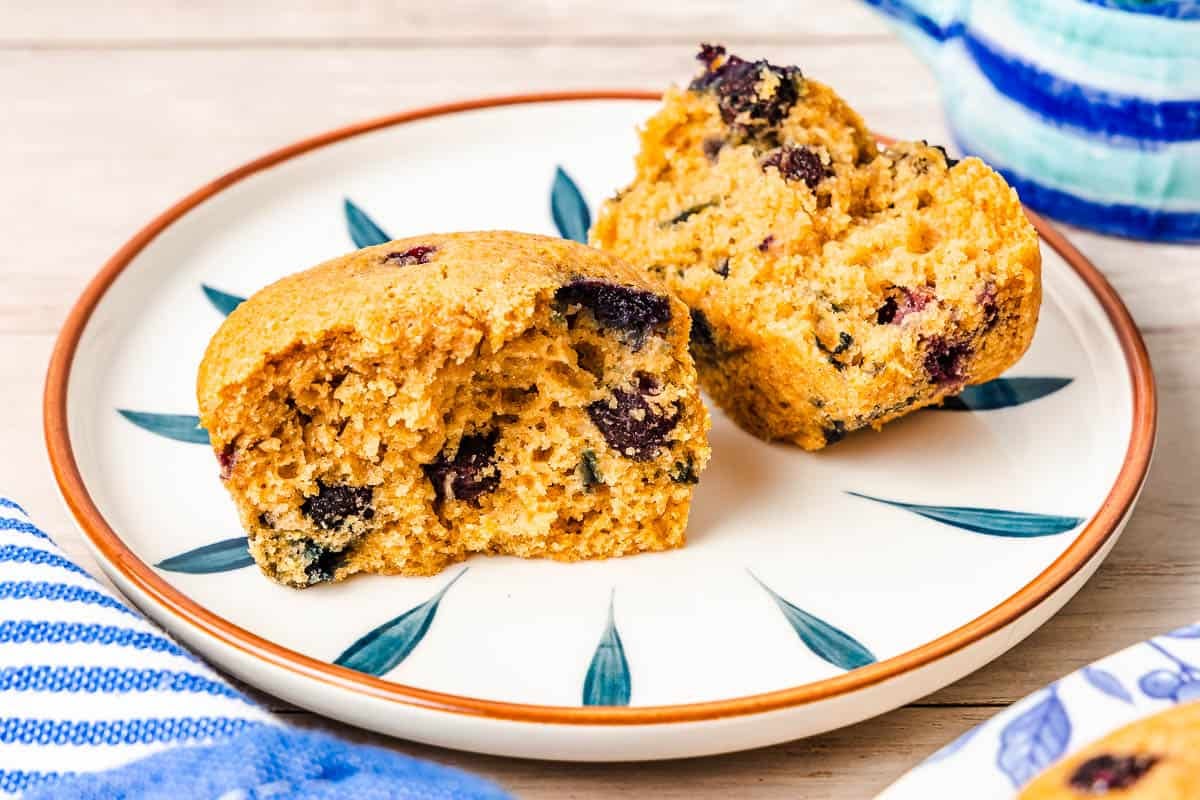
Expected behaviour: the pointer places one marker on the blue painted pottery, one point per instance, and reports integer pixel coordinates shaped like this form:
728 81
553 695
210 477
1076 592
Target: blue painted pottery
1090 108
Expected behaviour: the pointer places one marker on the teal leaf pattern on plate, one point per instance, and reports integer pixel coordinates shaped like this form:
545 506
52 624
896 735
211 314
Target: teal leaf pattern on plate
382 649
608 682
826 641
569 209
180 427
363 230
222 556
989 521
1002 393
222 301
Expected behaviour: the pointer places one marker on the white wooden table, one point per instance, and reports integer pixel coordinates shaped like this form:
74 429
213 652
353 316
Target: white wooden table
110 112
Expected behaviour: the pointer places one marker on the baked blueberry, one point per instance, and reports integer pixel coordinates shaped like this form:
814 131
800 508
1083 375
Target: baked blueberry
797 164
334 504
631 425
626 308
321 562
421 254
712 146
225 460
750 94
945 359
469 472
901 302
1106 773
835 431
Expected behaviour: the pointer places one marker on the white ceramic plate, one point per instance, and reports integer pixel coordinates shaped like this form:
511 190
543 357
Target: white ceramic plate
816 590
993 760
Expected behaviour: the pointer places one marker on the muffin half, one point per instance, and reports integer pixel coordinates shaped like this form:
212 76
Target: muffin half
833 285
401 407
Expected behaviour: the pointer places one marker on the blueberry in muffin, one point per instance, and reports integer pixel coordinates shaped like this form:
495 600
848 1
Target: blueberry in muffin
1155 758
833 285
404 406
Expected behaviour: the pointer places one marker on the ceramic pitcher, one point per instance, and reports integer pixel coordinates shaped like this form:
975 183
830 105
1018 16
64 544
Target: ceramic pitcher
1090 108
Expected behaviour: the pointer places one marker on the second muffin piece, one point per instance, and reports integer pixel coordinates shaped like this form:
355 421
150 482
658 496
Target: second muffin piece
833 286
401 407
1154 758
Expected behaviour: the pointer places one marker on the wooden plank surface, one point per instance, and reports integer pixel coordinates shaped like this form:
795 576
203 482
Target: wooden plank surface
110 113
285 23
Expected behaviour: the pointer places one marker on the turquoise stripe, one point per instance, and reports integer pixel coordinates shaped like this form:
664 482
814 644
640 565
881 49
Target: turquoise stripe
1106 30
1114 218
1104 67
1009 136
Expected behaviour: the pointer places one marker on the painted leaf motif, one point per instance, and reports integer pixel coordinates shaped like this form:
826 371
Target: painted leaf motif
1186 632
180 427
1108 683
569 209
222 301
990 521
1002 393
382 649
222 556
608 681
1035 739
827 642
1161 684
1188 691
363 230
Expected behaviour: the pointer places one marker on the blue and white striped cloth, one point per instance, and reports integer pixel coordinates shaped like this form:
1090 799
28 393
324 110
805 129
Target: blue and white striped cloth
96 702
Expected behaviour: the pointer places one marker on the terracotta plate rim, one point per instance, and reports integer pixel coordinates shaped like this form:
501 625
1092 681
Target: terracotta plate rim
142 576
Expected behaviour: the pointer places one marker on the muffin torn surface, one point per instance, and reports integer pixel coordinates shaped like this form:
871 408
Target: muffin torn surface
402 407
833 285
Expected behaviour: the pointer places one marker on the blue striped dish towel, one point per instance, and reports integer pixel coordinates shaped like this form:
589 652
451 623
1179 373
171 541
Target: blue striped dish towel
96 702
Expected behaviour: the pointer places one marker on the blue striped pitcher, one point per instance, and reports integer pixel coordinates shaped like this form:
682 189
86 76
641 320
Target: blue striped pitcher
1090 108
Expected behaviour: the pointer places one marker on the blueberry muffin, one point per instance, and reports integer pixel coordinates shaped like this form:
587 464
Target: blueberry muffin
1156 758
833 285
401 407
